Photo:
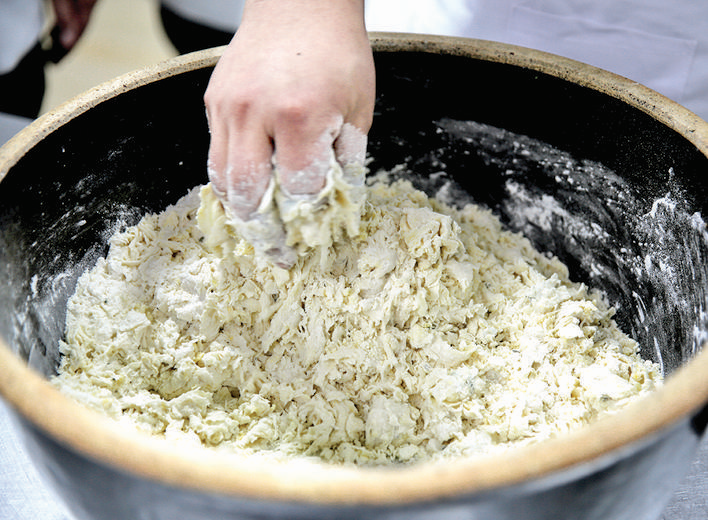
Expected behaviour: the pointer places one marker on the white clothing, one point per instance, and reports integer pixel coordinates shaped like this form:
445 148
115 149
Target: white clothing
219 14
447 17
21 22
663 45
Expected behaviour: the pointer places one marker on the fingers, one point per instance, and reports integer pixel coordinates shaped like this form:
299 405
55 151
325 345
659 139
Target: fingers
350 145
302 158
264 231
240 171
242 177
240 152
303 162
240 166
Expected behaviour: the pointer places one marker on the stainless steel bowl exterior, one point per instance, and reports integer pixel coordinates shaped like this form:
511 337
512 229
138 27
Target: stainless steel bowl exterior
493 117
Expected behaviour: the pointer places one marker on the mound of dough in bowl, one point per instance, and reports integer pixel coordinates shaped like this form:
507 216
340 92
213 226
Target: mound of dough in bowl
431 333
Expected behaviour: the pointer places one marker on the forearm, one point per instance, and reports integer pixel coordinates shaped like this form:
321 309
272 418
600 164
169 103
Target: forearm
343 12
310 25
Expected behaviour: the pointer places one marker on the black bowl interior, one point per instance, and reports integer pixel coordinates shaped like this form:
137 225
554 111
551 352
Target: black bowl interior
604 186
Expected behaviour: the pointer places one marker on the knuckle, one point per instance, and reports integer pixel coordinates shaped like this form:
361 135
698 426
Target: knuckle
235 104
295 110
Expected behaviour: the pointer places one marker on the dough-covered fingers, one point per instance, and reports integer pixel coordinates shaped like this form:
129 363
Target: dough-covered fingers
246 185
240 170
216 164
302 156
309 189
350 145
350 151
303 166
240 150
265 232
295 71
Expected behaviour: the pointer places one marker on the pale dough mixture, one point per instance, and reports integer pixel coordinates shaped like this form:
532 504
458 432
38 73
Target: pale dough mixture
432 332
285 226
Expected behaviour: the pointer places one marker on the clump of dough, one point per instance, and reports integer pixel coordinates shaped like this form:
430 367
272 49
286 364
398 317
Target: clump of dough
286 226
433 332
331 215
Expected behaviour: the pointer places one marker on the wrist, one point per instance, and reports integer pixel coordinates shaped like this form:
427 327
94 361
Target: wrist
339 13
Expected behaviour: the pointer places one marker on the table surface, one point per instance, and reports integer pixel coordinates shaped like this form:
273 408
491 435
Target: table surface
23 496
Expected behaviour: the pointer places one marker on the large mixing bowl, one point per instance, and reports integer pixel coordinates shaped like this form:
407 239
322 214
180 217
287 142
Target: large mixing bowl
604 173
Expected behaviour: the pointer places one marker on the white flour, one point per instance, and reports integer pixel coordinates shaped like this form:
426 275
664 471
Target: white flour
431 333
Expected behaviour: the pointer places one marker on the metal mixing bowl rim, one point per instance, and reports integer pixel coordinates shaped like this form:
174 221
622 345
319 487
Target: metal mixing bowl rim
90 433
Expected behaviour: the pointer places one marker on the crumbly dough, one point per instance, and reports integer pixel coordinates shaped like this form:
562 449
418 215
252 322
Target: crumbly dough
433 332
286 226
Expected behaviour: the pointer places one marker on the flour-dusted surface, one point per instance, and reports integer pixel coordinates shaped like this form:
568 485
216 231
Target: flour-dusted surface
432 333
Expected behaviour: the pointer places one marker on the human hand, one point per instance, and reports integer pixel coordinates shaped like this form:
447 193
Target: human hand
295 85
72 16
